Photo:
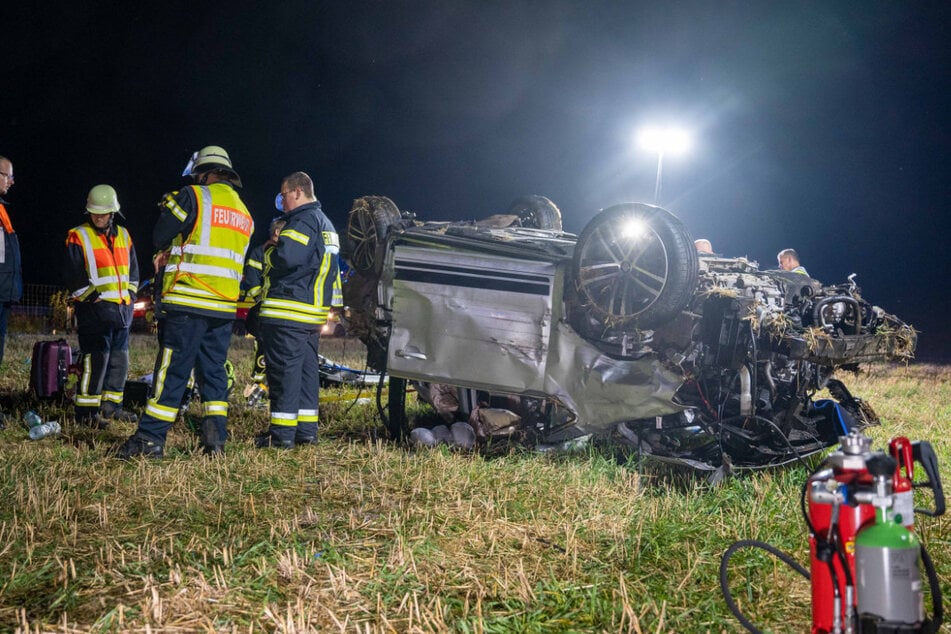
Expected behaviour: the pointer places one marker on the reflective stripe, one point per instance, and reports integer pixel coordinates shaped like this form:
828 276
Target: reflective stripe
277 313
331 242
87 400
107 267
215 408
210 269
112 397
307 416
205 268
167 414
296 236
172 205
214 252
86 377
283 419
159 383
227 308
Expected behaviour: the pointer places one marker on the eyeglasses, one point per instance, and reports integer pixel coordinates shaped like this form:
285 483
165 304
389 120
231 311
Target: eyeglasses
288 193
10 176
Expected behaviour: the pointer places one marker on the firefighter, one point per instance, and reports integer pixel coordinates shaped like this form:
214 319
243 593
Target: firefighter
301 284
102 275
202 234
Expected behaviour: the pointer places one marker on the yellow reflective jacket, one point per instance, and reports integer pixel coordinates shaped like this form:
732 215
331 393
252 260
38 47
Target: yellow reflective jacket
203 274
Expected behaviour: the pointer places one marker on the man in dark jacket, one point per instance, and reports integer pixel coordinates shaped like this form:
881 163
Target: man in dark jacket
301 284
102 275
11 273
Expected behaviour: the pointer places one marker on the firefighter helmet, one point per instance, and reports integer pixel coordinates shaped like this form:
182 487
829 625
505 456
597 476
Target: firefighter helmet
208 158
102 199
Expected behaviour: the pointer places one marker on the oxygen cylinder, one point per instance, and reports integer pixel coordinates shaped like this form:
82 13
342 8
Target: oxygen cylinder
900 449
888 583
887 577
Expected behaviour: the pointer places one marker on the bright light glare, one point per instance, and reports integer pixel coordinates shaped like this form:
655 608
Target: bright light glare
634 228
664 140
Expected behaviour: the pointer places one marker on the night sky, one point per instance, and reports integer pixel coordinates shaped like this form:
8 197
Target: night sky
821 126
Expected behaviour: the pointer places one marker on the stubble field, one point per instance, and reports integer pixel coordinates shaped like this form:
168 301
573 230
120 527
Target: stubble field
360 535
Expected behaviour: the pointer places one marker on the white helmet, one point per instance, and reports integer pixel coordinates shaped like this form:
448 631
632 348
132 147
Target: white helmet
102 199
208 158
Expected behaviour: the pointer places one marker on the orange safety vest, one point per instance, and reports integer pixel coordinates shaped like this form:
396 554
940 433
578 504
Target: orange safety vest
106 264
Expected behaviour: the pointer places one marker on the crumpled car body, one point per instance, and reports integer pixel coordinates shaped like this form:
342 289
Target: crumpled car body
623 331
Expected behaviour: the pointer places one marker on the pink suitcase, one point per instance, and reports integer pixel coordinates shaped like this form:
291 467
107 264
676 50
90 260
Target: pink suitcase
50 367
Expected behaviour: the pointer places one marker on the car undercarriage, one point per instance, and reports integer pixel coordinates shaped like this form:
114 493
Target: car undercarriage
529 334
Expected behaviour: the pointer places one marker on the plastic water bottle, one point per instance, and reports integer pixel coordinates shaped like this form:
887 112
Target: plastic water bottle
45 429
32 419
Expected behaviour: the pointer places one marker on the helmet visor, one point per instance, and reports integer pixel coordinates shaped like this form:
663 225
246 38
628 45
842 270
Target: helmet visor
191 165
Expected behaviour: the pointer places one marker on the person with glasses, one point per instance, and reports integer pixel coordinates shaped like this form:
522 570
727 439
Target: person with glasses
11 271
203 232
301 284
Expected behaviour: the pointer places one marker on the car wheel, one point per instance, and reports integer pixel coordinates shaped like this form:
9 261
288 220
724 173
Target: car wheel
368 224
536 212
634 265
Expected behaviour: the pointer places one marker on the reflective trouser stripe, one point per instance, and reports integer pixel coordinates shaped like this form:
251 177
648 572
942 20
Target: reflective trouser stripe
86 378
215 408
283 419
189 342
159 382
112 397
167 414
292 372
88 400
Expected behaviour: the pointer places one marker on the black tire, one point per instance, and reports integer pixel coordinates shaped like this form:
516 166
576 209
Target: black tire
368 225
637 279
536 212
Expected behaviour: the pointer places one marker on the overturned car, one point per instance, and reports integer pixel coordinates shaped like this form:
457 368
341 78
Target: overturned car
530 333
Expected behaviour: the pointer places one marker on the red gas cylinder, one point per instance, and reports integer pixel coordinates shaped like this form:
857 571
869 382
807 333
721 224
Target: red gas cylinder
835 519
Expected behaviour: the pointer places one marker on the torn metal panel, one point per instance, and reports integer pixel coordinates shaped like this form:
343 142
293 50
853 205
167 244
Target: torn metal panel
602 390
480 320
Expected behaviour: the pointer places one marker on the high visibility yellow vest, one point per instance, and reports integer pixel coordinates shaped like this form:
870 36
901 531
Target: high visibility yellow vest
204 269
108 268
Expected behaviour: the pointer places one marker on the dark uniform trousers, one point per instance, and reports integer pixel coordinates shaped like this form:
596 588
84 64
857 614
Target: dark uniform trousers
293 378
190 341
105 366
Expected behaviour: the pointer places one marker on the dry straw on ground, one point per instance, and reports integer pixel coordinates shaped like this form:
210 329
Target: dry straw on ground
359 535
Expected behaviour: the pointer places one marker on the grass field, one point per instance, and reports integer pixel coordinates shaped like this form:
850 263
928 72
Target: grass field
359 535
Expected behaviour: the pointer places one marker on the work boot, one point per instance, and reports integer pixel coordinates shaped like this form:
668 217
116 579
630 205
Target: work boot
306 434
268 439
211 444
93 421
138 445
117 413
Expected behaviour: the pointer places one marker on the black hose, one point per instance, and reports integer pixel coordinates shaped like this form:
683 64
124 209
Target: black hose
725 582
379 401
937 603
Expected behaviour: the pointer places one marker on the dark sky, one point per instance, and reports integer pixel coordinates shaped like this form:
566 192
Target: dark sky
818 125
